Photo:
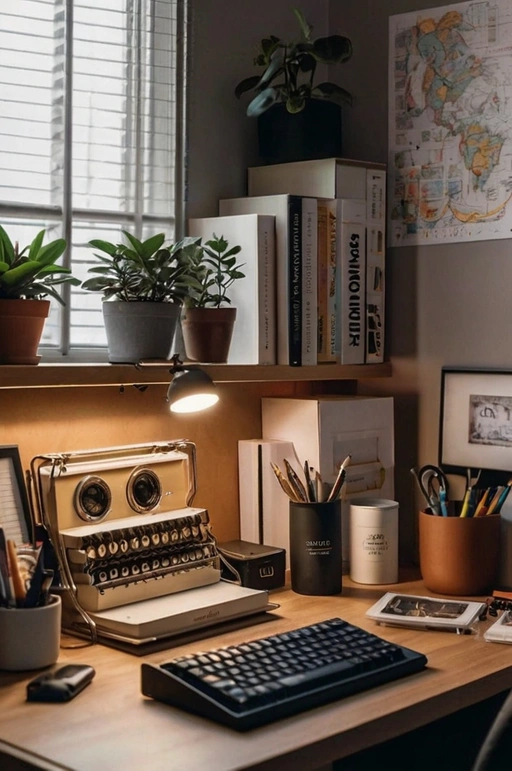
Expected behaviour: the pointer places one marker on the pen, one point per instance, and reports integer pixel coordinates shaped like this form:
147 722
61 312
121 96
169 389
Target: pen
503 497
285 485
310 485
443 501
295 483
338 484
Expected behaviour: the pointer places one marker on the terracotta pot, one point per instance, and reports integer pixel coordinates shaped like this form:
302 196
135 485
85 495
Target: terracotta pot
459 555
21 328
207 333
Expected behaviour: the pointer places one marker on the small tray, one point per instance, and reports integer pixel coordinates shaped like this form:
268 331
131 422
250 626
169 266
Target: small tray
426 612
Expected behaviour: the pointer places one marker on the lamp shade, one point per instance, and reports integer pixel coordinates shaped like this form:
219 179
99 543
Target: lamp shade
191 390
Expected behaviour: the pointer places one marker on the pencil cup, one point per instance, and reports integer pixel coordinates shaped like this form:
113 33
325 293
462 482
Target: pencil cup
459 555
30 637
374 541
315 547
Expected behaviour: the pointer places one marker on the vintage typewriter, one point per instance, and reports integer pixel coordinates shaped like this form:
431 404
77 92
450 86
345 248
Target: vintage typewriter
121 523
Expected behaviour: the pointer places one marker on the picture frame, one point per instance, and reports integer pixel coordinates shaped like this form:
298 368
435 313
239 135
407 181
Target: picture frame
15 516
475 429
419 612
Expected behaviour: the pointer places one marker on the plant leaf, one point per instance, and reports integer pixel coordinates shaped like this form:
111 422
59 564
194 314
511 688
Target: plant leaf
248 84
7 247
51 252
152 245
262 102
334 93
137 245
35 246
103 246
333 49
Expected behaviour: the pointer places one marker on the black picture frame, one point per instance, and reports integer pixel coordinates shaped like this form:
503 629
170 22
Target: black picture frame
15 515
475 430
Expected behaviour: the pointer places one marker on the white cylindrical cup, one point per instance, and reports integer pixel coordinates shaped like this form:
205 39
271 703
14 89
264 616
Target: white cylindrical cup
30 637
374 541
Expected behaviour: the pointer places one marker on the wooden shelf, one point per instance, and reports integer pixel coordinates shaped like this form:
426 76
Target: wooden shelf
74 375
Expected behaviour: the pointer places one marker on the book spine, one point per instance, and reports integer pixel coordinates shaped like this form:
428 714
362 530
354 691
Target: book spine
352 281
266 293
375 265
322 283
332 322
309 281
295 282
352 296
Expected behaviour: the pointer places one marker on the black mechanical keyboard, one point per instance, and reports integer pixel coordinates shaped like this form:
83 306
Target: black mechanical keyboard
254 683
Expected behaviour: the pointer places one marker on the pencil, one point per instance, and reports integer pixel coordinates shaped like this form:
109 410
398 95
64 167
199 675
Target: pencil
285 485
295 482
338 484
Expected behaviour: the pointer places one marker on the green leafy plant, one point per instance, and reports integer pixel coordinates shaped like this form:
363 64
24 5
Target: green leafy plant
145 271
290 71
32 273
216 269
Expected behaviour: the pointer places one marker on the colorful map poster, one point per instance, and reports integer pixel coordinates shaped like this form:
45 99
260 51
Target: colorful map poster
450 124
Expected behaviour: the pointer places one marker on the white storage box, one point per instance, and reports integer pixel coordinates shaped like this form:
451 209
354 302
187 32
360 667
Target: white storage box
325 429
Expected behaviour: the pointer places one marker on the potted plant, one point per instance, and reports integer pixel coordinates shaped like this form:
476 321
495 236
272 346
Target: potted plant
26 278
206 323
144 284
297 119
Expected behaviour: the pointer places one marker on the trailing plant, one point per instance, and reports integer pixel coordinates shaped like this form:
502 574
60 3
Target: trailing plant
32 273
289 71
144 271
216 269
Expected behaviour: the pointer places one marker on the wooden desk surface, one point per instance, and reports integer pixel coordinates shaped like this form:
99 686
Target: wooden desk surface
111 725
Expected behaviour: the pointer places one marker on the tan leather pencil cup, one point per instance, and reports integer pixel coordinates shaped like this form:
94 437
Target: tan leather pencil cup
459 555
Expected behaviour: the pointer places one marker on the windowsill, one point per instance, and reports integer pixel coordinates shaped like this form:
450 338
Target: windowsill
104 374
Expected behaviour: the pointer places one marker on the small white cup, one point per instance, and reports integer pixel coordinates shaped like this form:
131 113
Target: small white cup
374 541
30 637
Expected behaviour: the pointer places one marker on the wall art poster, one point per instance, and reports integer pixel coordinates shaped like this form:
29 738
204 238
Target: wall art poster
450 124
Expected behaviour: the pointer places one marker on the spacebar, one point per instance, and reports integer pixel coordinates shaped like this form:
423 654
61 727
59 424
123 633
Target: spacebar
320 675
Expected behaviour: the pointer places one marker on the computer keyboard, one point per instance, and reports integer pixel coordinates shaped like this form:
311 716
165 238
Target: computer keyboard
254 683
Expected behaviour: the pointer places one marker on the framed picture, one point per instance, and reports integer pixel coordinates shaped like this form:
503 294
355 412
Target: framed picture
15 516
475 420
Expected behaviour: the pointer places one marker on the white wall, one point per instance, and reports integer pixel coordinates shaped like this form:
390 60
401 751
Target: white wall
447 305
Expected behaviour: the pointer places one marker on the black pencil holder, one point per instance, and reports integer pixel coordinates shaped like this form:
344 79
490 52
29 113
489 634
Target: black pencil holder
315 547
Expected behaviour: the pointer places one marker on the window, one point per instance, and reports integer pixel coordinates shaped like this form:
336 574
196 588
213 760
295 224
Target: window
90 135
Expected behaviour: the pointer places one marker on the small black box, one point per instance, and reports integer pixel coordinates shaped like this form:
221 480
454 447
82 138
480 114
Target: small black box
260 566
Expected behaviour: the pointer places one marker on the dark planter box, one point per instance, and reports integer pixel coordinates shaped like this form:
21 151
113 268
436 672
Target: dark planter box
313 133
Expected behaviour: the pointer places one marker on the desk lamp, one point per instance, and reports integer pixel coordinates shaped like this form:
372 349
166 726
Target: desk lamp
191 389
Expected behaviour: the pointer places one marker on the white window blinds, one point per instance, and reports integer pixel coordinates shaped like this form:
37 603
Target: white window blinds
90 132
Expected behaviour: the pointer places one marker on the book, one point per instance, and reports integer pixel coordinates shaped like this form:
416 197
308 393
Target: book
351 281
309 281
330 344
287 210
181 612
322 280
321 178
264 507
375 265
254 297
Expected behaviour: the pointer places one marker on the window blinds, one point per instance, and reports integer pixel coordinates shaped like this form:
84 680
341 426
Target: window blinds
90 132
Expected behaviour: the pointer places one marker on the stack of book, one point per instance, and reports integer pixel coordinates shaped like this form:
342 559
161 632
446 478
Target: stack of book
313 239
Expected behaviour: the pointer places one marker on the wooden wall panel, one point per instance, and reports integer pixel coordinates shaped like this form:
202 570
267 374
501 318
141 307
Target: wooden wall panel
64 419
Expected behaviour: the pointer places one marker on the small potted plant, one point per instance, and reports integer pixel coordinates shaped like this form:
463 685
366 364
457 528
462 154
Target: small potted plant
27 277
206 322
144 284
297 119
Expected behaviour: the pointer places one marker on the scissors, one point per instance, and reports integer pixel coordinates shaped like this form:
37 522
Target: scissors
434 487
